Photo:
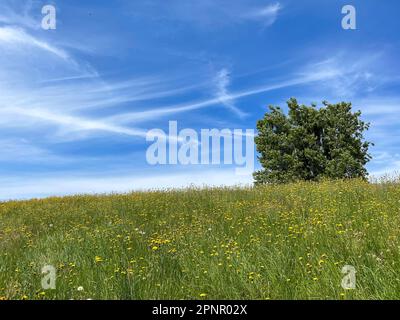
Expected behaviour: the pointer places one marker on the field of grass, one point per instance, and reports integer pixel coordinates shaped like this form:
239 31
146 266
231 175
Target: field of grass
274 242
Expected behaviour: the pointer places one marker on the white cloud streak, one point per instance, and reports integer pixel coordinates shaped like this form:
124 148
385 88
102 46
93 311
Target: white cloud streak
210 13
20 16
222 81
300 79
72 123
15 37
267 15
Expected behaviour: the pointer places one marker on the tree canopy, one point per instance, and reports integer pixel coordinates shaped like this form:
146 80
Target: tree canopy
310 143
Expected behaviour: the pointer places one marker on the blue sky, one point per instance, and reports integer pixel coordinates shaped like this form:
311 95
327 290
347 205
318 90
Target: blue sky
77 102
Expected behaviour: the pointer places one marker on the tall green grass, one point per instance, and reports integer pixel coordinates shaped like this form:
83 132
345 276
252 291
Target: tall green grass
274 242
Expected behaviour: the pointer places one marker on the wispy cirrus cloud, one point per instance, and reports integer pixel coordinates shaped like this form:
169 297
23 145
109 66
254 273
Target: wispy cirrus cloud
18 13
312 73
267 15
20 34
54 106
52 102
222 81
352 76
15 37
68 122
210 13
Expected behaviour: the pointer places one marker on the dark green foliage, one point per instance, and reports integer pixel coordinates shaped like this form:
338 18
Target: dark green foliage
311 143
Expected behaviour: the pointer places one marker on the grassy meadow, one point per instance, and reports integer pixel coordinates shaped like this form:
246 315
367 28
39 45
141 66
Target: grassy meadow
274 242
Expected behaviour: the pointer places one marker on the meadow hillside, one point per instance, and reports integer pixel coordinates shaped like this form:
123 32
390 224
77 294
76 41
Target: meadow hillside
274 242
